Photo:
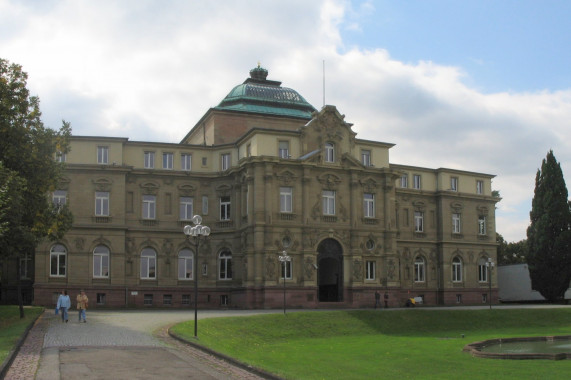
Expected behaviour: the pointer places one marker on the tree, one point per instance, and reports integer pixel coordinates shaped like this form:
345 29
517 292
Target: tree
549 235
511 253
28 171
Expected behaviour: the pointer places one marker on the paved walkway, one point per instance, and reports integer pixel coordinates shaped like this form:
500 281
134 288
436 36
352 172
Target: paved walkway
129 344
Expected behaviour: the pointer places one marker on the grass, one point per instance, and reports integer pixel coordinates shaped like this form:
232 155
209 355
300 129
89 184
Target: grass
366 344
12 327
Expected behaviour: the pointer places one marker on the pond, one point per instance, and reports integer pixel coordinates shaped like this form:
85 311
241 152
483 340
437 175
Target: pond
546 347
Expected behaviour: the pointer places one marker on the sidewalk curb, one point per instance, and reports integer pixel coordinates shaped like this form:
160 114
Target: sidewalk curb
14 352
237 363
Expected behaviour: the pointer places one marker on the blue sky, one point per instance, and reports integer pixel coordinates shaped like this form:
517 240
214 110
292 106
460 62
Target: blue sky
483 86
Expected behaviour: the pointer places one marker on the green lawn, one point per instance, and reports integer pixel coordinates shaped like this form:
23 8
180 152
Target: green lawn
367 344
12 327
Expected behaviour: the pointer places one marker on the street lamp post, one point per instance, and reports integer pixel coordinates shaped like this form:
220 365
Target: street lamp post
196 231
284 258
489 267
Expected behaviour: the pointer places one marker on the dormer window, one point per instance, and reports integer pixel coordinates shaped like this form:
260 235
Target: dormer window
283 149
329 152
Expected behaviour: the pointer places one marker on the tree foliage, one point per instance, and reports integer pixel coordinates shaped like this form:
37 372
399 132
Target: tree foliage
28 169
511 253
549 235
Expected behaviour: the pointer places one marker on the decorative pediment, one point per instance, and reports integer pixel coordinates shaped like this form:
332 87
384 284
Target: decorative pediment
329 180
63 183
419 206
456 206
482 210
369 185
102 184
149 188
101 241
224 190
286 177
186 189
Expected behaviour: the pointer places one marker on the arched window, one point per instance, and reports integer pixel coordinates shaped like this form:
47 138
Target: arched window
329 152
456 269
419 272
225 265
58 262
149 264
185 264
101 261
482 270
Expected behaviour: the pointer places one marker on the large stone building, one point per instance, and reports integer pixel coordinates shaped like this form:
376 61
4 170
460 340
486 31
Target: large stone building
268 173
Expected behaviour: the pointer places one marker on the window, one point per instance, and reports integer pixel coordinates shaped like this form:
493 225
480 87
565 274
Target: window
148 300
419 273
287 265
482 225
167 299
283 149
479 187
102 203
329 152
204 161
404 181
368 205
484 298
416 182
186 208
328 197
224 208
58 255
59 198
186 161
100 300
225 266
205 205
149 160
418 221
167 161
185 264
456 223
101 261
454 183
482 270
370 270
102 154
458 298
149 206
61 157
185 300
249 150
225 161
224 299
456 270
25 265
286 199
148 264
366 157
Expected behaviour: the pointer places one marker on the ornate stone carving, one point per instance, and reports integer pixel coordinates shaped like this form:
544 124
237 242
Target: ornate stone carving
102 184
270 267
456 206
309 268
286 177
329 181
149 188
391 269
186 190
167 247
369 185
223 190
79 243
358 270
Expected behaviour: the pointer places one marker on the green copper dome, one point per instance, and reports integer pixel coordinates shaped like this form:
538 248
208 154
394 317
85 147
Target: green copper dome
259 95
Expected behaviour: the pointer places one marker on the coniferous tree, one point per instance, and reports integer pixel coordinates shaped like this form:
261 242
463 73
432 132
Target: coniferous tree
548 236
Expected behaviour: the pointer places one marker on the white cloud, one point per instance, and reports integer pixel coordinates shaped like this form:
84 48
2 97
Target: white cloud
148 70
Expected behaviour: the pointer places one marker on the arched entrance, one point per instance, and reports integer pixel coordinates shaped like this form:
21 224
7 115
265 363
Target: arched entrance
330 272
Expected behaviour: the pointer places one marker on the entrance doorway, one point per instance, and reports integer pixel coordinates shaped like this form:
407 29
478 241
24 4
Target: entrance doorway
330 273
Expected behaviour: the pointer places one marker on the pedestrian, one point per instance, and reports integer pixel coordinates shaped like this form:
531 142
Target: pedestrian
63 305
386 300
377 299
82 305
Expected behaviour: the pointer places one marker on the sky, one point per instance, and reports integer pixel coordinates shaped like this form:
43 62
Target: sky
483 86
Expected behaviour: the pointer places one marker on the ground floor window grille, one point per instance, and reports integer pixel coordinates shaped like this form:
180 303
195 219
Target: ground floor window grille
484 298
148 299
458 298
224 300
167 299
100 298
185 299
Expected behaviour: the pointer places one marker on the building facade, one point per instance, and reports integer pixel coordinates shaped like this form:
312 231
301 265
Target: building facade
268 173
